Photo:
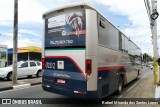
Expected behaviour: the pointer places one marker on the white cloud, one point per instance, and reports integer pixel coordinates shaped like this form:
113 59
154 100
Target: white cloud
31 32
6 10
28 42
30 11
22 42
136 12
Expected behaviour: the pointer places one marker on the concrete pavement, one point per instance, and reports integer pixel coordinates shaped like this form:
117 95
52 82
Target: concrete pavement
145 88
21 83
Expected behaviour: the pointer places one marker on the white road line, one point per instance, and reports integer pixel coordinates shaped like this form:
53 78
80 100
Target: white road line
21 86
134 84
19 89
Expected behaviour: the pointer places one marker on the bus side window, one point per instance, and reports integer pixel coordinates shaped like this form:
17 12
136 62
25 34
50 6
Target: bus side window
102 23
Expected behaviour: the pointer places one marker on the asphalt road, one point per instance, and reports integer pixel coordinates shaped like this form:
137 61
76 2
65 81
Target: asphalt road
37 92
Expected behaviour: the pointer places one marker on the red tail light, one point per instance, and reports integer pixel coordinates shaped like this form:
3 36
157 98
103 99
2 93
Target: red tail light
43 63
61 10
89 66
82 6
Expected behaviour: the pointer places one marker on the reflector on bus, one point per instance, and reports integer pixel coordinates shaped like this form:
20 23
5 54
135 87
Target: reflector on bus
89 66
43 63
61 10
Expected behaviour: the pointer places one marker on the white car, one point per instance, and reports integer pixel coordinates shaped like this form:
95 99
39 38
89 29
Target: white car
151 66
27 68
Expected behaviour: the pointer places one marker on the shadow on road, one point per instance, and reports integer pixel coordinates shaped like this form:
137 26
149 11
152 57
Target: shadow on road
22 78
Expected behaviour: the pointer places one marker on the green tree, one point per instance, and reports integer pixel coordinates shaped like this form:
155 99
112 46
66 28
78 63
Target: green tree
147 58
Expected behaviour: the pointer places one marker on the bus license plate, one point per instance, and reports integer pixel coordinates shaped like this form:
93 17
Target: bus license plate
61 81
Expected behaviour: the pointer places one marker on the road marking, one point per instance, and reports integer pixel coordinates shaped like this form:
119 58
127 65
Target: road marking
134 84
19 89
21 86
144 69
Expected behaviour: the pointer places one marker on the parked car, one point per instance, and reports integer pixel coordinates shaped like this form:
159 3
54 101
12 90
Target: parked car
151 66
27 68
148 65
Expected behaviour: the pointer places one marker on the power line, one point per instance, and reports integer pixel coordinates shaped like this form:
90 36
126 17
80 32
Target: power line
148 9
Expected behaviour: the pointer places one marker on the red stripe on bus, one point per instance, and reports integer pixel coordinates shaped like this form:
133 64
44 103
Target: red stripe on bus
71 60
79 32
109 68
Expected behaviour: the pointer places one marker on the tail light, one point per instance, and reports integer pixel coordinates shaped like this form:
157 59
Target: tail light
82 6
43 63
88 66
61 10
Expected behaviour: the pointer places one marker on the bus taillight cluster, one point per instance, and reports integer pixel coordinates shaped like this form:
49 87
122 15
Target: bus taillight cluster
43 63
88 66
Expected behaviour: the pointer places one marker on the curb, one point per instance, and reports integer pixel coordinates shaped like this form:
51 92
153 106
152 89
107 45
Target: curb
38 83
19 86
6 88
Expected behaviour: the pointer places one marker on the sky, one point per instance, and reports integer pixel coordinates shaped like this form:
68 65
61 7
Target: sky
129 16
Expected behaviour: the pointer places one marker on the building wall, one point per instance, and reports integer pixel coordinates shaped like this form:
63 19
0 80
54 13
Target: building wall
3 56
25 56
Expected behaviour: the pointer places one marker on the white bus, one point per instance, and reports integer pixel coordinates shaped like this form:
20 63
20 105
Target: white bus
84 55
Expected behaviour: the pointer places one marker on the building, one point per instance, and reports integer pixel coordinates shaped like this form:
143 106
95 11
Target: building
3 56
25 53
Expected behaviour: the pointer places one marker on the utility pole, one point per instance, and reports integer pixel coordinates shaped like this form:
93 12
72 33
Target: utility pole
15 41
153 15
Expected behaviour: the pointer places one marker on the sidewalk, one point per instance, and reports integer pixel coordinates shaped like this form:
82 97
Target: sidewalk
145 88
22 83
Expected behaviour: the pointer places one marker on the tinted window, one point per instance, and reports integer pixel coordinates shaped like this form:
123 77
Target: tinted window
32 64
108 34
65 30
2 55
24 64
38 63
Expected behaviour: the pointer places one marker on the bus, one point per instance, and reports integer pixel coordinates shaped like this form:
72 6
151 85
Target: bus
84 55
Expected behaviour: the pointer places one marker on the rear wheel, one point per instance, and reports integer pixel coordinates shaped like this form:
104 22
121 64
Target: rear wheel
120 85
39 73
9 76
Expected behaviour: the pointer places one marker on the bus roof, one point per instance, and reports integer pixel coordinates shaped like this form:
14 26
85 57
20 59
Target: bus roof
88 6
69 6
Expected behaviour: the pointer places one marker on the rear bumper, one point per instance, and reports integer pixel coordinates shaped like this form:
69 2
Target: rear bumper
70 93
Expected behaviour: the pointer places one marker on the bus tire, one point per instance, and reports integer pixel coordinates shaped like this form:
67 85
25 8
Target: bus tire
120 85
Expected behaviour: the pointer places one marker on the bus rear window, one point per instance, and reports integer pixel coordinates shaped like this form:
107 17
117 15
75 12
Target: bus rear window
65 30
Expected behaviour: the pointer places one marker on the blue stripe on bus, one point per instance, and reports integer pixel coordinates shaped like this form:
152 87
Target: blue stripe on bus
69 64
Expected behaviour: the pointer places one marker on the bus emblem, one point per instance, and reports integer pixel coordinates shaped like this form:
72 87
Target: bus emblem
61 75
